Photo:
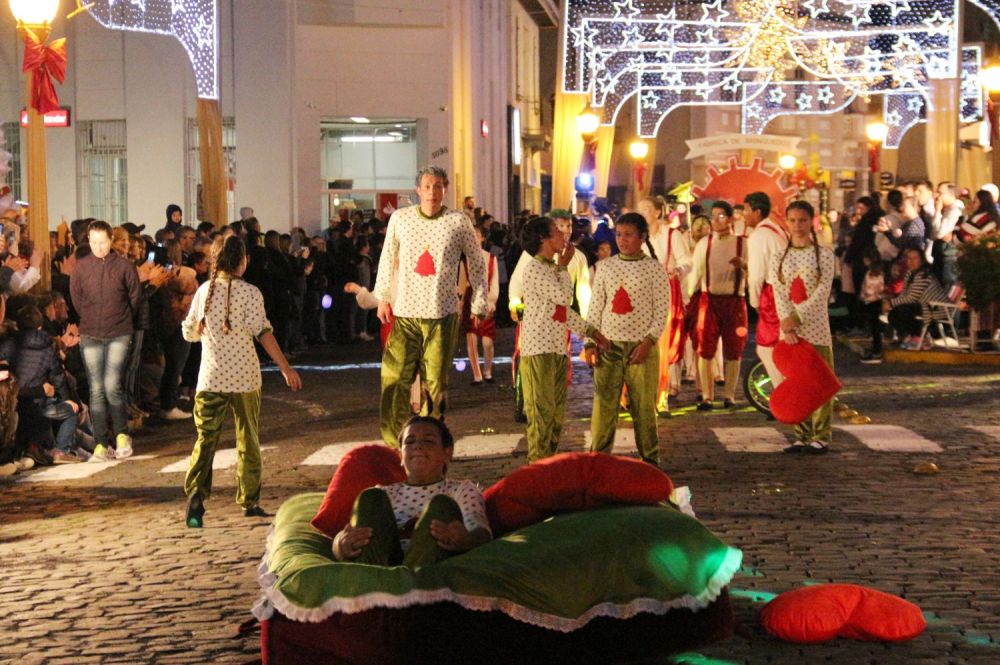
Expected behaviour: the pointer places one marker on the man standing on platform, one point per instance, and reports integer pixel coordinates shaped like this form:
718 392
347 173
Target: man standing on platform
426 241
766 239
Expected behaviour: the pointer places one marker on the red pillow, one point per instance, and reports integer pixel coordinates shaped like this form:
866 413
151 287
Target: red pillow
361 468
572 481
809 382
820 613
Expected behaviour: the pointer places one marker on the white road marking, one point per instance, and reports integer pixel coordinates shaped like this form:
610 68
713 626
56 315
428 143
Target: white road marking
751 439
890 439
224 459
332 454
482 445
992 431
77 471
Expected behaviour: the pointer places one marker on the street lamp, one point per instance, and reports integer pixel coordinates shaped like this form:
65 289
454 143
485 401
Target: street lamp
34 24
587 123
876 133
991 82
638 149
787 162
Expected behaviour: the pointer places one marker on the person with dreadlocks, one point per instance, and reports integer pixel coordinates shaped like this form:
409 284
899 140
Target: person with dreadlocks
226 316
629 305
802 276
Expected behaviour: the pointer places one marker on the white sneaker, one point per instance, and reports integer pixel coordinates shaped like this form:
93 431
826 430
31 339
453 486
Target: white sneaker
123 446
102 453
8 469
24 463
175 414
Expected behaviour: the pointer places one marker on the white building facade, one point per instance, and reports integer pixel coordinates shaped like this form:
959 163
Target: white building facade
326 105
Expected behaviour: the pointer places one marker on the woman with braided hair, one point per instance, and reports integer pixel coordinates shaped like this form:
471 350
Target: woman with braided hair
802 276
226 316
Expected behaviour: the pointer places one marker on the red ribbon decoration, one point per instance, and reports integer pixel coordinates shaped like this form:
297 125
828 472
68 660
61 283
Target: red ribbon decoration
45 62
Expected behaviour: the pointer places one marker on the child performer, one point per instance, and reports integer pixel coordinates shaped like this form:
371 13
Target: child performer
226 315
720 271
671 245
802 276
485 329
629 308
548 294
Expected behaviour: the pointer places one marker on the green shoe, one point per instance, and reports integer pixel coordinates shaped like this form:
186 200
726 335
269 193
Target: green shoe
195 512
102 454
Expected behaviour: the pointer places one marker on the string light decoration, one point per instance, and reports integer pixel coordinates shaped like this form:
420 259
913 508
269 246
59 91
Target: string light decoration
771 57
194 23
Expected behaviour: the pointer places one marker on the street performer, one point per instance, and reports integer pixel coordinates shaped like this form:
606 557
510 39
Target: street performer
766 240
428 241
719 269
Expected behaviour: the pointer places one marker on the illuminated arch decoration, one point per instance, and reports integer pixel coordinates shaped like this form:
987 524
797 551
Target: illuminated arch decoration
771 57
194 23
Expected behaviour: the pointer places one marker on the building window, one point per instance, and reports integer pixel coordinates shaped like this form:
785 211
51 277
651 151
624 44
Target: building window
193 198
12 144
360 160
103 169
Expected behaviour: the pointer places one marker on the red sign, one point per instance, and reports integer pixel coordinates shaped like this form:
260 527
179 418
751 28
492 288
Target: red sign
59 118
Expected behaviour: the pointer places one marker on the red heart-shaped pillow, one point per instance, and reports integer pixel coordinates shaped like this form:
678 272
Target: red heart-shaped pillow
569 482
809 382
819 613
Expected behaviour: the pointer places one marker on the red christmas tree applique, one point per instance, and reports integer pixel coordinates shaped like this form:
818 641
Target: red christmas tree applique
425 264
560 314
798 291
621 303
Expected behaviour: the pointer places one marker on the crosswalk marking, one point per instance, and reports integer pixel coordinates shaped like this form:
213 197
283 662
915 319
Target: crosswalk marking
751 439
76 471
476 445
890 438
483 445
992 431
332 454
624 441
224 459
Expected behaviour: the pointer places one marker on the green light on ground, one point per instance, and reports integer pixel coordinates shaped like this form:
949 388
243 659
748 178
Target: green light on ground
980 640
752 595
698 659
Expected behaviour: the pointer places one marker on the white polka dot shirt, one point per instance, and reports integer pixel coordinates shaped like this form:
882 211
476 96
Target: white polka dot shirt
631 298
228 360
802 287
428 251
548 294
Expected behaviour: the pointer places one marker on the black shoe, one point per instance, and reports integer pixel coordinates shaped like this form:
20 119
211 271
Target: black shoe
664 414
255 511
39 455
720 382
796 447
728 404
705 406
699 398
815 448
687 382
195 512
872 359
520 417
477 383
489 379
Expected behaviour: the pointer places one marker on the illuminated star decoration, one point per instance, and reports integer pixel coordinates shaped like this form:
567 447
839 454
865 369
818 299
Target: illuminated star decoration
763 55
194 23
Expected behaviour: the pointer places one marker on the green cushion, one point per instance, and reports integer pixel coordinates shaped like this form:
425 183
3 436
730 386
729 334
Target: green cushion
559 574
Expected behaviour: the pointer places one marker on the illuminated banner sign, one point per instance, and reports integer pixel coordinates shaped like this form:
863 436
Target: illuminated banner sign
59 118
733 142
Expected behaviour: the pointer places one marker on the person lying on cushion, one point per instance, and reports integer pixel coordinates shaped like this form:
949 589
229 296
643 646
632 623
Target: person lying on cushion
420 521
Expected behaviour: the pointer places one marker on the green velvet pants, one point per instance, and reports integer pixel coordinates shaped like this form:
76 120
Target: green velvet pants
612 371
819 425
424 345
209 415
373 509
543 379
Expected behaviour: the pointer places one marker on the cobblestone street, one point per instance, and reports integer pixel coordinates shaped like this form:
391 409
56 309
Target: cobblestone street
101 568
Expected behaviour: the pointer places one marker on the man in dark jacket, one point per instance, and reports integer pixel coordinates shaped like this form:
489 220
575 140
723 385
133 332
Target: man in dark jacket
105 290
42 399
